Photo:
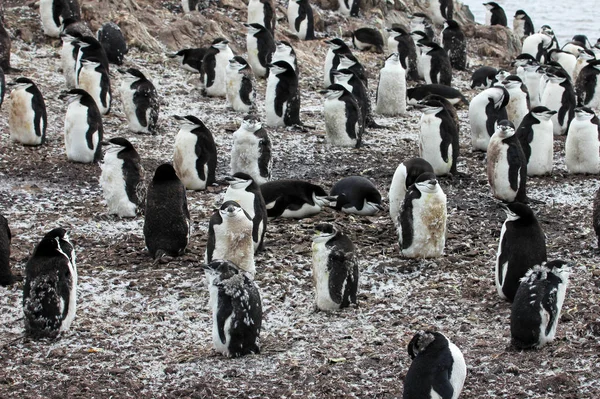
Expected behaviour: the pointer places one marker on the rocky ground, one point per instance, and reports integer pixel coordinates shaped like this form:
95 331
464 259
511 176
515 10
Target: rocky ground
144 330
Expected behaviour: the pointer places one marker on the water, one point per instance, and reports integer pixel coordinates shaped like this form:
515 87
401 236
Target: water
567 18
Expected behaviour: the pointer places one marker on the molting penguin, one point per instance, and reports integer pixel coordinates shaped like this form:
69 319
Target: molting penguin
518 103
522 25
401 42
391 90
6 276
50 289
587 86
4 48
300 18
422 221
522 245
167 219
405 175
230 237
537 140
455 44
435 63
438 139
195 154
559 95
536 309
438 368
112 40
420 22
484 77
251 151
261 46
337 48
344 120
420 92
236 309
334 269
349 8
285 52
282 98
365 39
583 59
54 12
68 57
293 198
582 147
357 195
83 128
122 178
239 78
93 78
190 59
495 14
441 11
246 192
214 66
262 12
27 113
485 109
140 101
506 164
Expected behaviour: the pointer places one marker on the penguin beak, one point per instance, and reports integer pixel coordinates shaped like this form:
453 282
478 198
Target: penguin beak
104 143
179 118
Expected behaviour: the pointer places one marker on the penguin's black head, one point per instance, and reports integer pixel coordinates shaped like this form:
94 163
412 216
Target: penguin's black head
230 209
557 74
560 267
451 24
547 30
280 67
394 58
119 143
190 121
580 40
517 210
238 63
421 341
91 62
597 45
584 114
347 61
512 81
70 35
336 43
334 91
283 46
505 128
74 95
254 28
220 43
251 123
240 181
222 269
491 5
165 172
136 73
57 240
430 106
22 82
89 41
520 14
427 183
524 59
324 232
542 113
419 36
587 54
397 30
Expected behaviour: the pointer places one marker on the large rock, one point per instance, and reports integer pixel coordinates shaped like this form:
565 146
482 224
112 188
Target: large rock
492 41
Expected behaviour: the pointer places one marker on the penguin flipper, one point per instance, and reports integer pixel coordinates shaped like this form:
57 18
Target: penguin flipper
549 302
338 276
224 312
514 168
441 384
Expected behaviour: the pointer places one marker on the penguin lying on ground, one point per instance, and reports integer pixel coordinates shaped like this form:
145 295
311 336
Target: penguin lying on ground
293 198
190 59
357 195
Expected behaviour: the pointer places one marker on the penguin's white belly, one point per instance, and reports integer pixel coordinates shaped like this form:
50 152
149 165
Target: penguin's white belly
582 148
272 119
519 28
542 150
594 102
234 83
66 324
498 172
242 197
335 124
67 63
50 27
516 108
435 13
76 128
129 108
361 45
292 13
420 70
397 192
552 98
459 370
532 82
497 277
21 119
531 43
113 187
429 227
342 9
579 65
221 61
327 69
244 157
233 242
184 161
429 145
306 210
391 92
478 119
90 82
321 277
426 67
252 47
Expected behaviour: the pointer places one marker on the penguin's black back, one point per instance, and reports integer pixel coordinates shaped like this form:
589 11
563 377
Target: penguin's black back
371 36
206 151
482 76
353 190
455 44
39 107
144 98
94 50
6 276
343 270
112 40
421 91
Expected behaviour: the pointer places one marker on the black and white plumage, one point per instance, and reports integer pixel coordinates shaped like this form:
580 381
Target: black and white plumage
5 44
349 8
495 14
559 95
68 57
596 215
438 368
93 77
522 25
285 52
300 19
352 82
537 140
583 59
418 93
538 45
365 39
337 48
214 67
582 147
441 11
140 101
167 219
83 128
50 289
54 12
422 222
72 25
587 85
564 59
405 175
484 77
27 118
260 46
112 40
246 192
230 237
518 102
195 153
357 195
6 276
190 5
485 110
334 269
236 309
262 12
344 120
240 82
351 63
506 164
536 309
401 42
435 64
2 86
251 151
455 44
190 59
577 44
420 22
89 48
391 89
122 178
293 198
282 98
438 139
522 245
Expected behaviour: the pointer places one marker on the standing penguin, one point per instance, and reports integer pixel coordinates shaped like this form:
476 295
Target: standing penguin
300 19
251 151
285 52
506 164
167 219
564 59
455 44
522 25
54 12
5 45
537 140
230 237
522 245
246 192
214 66
352 82
190 59
262 12
2 87
282 98
391 90
583 59
537 45
435 63
68 57
93 78
50 289
6 276
596 215
422 222
337 48
441 11
236 309
438 368
518 103
90 48
365 39
357 195
495 14
420 22
239 79
582 147
293 198
83 128
405 175
351 63
438 141
536 309
400 41
349 8
140 101
122 178
190 5
334 269
112 40
344 121
195 154
27 113
559 96
261 46
485 109
587 86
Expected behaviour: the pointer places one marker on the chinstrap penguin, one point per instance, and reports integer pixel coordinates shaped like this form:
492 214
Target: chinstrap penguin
282 98
112 40
518 102
582 147
365 39
251 151
83 128
537 140
214 67
357 195
300 18
6 275
240 82
190 59
435 64
438 138
285 52
405 175
344 120
262 12
559 95
27 118
401 42
418 93
485 110
455 44
93 77
54 12
391 90
522 25
140 101
337 48
495 14
349 8
293 198
260 46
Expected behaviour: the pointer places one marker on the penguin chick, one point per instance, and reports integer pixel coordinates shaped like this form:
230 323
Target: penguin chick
240 95
251 151
391 90
112 40
140 101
